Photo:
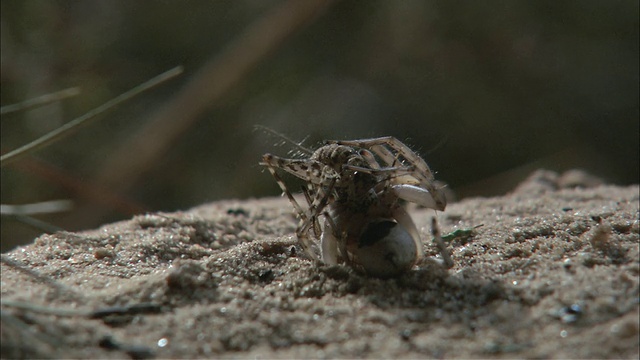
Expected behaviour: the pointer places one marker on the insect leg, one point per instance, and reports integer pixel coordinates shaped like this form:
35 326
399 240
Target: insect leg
442 247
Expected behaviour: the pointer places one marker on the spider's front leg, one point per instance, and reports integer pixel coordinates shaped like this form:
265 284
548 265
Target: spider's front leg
272 162
310 222
304 169
302 233
422 174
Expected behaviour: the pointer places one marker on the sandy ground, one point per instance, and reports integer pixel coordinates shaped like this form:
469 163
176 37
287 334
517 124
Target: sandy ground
552 273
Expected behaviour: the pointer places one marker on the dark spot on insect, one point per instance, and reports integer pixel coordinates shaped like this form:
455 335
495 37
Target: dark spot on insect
375 232
238 211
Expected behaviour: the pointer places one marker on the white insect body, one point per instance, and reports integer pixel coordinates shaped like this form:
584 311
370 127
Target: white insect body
355 186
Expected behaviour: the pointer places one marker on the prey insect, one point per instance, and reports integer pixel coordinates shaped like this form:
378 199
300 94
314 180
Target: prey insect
352 191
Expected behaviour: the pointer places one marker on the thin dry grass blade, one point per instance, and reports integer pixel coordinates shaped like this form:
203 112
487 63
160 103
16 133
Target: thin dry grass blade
75 124
40 100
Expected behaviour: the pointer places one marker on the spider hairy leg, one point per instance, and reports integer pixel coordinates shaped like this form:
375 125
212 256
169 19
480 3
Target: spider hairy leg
271 166
316 208
380 146
305 169
369 158
273 162
395 171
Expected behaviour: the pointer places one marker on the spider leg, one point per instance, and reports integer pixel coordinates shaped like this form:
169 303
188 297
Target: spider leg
307 195
305 169
374 168
318 204
305 221
377 146
310 221
307 243
370 159
422 171
386 155
283 187
306 191
320 188
395 171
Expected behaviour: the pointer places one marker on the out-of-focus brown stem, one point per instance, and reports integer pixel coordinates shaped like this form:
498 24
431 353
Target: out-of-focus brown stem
145 148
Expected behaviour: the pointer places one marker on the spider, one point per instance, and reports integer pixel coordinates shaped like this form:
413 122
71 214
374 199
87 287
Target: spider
356 186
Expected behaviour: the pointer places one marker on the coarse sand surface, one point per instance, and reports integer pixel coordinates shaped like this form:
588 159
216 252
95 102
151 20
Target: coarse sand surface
552 273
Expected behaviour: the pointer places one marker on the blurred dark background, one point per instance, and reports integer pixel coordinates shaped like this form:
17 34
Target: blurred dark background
486 91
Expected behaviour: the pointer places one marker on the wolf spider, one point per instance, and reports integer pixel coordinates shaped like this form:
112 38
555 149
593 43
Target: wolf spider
356 186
